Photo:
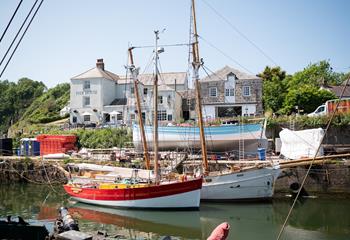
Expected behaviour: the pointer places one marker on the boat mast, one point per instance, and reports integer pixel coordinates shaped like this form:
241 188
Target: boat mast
134 73
196 64
155 110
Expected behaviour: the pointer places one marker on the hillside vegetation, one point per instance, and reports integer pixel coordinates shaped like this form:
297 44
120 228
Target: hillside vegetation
44 109
15 98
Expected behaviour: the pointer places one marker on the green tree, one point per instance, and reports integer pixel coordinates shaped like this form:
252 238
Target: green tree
15 98
273 88
316 74
307 97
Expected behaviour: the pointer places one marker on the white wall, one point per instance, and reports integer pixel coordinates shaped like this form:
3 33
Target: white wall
230 83
108 91
249 109
208 112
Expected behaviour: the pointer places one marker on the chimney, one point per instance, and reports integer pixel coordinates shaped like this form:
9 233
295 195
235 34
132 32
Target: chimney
100 64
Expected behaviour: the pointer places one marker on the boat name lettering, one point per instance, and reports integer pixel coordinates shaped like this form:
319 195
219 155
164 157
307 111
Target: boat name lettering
240 175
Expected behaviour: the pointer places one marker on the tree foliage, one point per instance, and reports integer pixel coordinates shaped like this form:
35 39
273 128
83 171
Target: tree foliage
282 93
15 98
47 107
273 88
316 74
306 98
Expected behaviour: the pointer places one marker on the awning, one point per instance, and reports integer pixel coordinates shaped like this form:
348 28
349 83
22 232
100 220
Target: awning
86 114
115 113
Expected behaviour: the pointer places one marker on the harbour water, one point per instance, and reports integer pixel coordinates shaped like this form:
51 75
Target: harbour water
316 218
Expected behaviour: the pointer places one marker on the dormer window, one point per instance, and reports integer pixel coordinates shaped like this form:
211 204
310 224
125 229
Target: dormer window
86 85
231 77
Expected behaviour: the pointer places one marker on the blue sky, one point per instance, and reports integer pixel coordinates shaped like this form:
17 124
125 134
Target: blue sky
67 37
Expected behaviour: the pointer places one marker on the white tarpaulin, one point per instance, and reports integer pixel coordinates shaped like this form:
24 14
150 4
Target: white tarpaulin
301 144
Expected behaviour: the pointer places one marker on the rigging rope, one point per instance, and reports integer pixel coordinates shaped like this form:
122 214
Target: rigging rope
314 158
239 32
30 22
9 23
225 55
20 29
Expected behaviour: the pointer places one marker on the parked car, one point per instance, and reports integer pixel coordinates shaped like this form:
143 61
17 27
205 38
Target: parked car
330 106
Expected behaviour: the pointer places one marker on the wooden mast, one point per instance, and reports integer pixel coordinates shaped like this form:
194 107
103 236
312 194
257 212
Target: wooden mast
138 106
196 65
155 111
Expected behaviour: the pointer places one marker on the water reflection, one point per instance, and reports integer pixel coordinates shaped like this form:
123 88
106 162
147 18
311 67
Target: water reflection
174 223
311 219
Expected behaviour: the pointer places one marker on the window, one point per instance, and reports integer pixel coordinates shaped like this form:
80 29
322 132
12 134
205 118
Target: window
229 92
132 116
132 90
86 85
145 91
320 109
162 115
143 115
246 90
160 99
86 118
170 117
86 101
74 120
188 101
212 92
120 116
169 99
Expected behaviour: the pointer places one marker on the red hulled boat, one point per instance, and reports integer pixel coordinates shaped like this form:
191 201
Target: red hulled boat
184 195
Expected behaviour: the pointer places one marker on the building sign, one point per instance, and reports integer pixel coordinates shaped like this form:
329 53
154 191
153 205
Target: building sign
86 92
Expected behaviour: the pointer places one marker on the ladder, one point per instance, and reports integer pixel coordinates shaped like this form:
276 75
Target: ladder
292 124
241 141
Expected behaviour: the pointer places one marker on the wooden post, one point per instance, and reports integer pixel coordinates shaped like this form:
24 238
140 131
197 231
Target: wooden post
196 65
139 111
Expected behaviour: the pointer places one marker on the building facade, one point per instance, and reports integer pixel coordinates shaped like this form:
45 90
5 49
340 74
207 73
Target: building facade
229 93
98 96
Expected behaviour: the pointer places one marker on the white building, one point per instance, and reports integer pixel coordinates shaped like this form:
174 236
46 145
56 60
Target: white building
102 97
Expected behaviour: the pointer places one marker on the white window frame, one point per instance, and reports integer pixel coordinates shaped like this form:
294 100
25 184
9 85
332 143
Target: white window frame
229 92
86 85
246 91
211 92
162 115
87 118
85 104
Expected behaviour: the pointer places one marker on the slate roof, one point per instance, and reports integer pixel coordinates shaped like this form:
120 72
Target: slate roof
337 90
97 72
222 73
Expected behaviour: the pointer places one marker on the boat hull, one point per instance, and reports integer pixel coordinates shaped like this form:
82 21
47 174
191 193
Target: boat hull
219 138
255 184
179 195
